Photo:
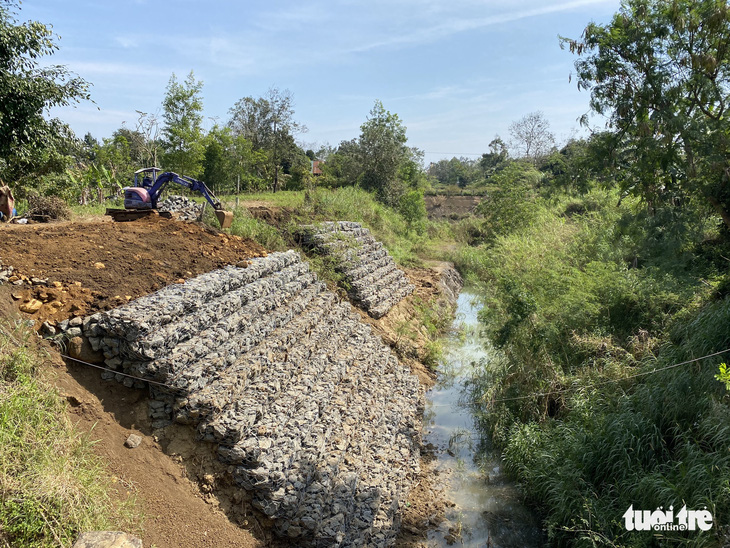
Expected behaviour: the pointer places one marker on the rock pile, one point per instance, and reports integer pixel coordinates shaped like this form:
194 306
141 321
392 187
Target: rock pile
370 275
309 408
185 209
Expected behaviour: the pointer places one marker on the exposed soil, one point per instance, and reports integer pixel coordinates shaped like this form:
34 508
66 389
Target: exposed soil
93 265
100 265
451 207
176 511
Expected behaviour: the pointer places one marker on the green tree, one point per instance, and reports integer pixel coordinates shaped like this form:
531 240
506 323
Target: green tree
494 160
342 167
183 125
115 157
457 171
218 161
30 144
268 123
382 150
660 71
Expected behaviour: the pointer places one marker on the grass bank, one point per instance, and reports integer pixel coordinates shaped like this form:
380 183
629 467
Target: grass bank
52 485
593 303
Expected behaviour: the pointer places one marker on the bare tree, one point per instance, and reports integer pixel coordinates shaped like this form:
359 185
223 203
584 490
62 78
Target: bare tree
149 127
531 136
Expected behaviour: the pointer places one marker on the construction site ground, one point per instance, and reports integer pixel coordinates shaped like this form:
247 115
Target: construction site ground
95 264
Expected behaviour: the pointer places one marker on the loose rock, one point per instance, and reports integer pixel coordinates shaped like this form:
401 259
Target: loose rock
133 441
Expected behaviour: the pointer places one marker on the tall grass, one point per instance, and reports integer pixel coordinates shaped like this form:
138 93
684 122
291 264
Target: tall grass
52 486
354 204
581 297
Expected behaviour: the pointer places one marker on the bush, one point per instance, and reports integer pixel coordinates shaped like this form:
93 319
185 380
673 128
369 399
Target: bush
47 207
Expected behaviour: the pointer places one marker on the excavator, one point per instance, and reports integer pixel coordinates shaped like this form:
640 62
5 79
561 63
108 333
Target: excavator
141 199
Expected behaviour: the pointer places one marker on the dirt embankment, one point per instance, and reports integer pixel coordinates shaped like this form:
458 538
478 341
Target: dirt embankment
451 207
99 265
84 267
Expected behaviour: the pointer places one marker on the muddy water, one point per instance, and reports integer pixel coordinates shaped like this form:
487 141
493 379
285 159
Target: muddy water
487 510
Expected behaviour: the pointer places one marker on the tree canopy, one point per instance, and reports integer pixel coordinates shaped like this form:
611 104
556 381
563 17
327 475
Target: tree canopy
660 72
268 124
382 150
29 142
183 129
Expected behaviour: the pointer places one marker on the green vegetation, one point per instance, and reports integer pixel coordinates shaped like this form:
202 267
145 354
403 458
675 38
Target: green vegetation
603 268
52 486
30 144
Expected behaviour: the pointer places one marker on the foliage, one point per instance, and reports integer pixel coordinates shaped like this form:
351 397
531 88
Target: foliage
724 375
268 124
30 144
661 441
492 161
659 71
582 292
52 486
413 209
342 167
511 203
381 150
183 130
230 164
457 171
246 226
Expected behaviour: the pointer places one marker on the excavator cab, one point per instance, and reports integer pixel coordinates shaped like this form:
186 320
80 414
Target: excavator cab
146 177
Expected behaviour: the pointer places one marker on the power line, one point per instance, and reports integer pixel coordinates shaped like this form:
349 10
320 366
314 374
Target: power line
612 381
455 153
120 373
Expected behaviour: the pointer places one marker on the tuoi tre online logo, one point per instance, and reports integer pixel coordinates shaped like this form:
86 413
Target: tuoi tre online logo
661 520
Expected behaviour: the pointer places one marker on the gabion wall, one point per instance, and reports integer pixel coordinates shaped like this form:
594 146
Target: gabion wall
319 420
372 279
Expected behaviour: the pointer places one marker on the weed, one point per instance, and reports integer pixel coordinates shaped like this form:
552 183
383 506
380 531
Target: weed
52 486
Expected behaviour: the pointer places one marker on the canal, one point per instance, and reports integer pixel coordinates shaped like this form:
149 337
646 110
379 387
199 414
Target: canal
487 507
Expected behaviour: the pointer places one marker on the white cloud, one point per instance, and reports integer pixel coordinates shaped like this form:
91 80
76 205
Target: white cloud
91 68
455 25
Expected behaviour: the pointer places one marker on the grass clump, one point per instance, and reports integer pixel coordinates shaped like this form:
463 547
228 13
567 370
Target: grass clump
246 226
52 486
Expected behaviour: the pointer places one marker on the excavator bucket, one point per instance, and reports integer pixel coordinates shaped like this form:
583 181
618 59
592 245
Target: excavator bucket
225 218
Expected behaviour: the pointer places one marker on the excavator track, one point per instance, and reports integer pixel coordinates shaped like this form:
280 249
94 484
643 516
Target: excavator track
124 215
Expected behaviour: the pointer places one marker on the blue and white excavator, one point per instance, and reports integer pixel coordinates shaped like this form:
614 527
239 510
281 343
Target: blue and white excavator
141 199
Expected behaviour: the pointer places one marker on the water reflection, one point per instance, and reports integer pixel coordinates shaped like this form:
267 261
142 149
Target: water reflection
487 510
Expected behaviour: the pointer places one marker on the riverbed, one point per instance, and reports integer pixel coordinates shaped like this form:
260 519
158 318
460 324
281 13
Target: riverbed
487 507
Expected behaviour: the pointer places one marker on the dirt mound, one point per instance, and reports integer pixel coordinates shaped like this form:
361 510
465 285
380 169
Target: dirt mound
451 207
93 266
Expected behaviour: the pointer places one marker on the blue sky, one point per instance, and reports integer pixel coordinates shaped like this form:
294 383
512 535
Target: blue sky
457 72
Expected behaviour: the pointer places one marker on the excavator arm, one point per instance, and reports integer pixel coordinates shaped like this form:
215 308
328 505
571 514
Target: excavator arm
147 196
